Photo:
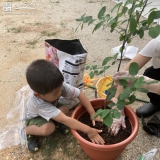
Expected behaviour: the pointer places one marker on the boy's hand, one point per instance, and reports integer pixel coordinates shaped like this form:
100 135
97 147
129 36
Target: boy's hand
86 103
94 136
95 119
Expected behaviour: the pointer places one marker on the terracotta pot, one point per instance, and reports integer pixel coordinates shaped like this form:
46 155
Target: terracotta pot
104 152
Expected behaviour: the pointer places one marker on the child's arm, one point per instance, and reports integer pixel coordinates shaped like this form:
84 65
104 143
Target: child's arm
74 124
86 103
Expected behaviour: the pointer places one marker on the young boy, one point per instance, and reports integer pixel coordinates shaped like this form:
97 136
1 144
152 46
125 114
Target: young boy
44 113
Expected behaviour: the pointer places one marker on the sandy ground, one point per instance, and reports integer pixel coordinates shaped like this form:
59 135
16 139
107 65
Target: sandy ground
22 41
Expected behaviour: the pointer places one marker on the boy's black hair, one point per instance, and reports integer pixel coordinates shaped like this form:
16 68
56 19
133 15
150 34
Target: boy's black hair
43 76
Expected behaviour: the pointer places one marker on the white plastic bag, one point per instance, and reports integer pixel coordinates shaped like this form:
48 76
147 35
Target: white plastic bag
14 132
149 155
128 53
70 57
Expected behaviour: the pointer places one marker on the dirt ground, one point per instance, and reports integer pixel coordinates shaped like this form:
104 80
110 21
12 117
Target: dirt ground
23 32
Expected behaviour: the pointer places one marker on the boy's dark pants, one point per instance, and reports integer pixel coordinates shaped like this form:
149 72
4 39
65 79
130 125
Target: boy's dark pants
154 74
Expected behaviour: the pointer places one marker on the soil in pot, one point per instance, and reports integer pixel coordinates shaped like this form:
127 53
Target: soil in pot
109 139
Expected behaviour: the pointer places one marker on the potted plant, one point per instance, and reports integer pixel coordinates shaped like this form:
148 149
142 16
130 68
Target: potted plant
128 29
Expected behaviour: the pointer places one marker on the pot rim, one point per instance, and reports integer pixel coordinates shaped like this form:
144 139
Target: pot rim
112 146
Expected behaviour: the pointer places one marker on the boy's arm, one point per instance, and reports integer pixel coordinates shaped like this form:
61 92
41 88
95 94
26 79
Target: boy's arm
74 124
86 103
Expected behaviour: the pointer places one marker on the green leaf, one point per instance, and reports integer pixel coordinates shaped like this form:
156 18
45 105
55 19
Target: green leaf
82 26
87 67
133 68
133 89
83 15
133 9
116 114
157 15
115 56
107 16
135 32
121 38
124 10
106 60
120 49
154 31
116 6
111 92
119 15
79 20
108 120
138 82
98 25
145 28
151 17
114 20
123 82
113 26
132 99
96 72
87 19
144 22
137 14
133 24
120 104
140 4
128 40
105 113
110 105
91 74
141 33
142 90
106 67
94 67
151 82
77 27
98 113
128 2
124 21
101 71
101 12
113 62
90 22
126 93
130 11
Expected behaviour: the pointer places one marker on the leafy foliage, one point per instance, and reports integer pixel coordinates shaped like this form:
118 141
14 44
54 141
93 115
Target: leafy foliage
98 70
133 69
127 29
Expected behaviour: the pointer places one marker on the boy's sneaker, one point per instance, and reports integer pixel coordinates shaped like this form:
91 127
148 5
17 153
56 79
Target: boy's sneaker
32 143
61 128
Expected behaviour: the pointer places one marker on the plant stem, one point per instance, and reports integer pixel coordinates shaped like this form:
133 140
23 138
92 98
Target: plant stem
145 3
123 45
126 36
93 87
106 100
